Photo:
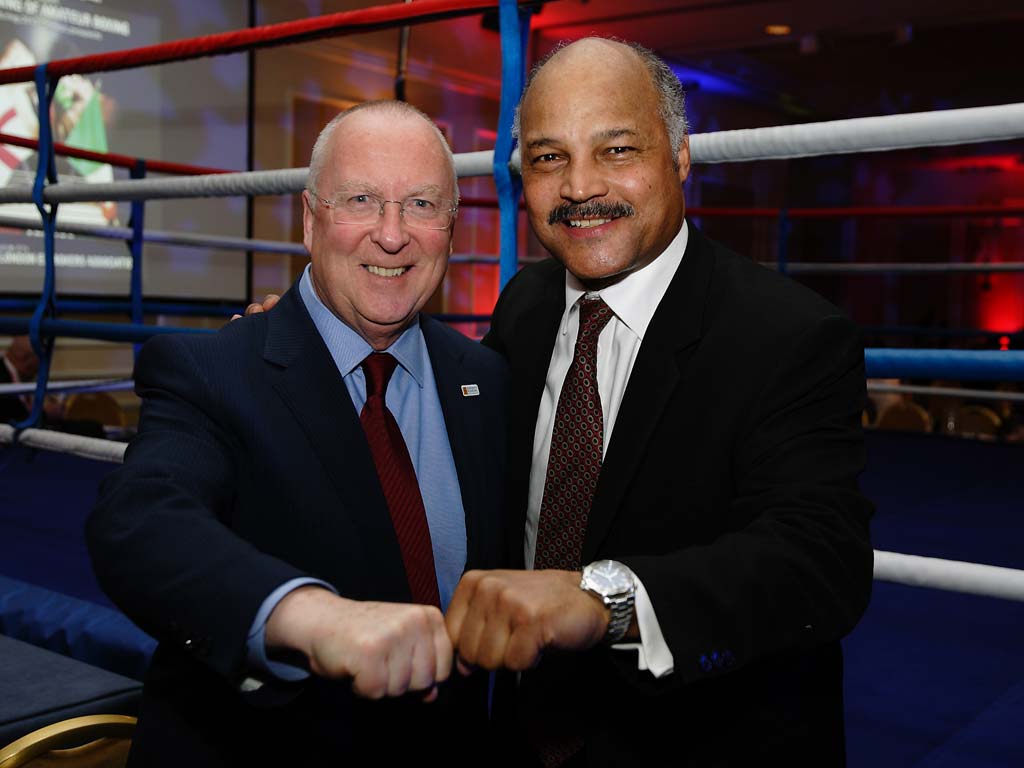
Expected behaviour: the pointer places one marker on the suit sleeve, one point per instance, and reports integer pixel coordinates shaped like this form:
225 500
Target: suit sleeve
160 536
798 572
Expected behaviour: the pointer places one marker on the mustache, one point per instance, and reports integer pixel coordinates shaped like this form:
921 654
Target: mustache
594 209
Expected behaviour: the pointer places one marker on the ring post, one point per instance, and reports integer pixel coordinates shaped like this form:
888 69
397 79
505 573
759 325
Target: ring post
46 171
137 223
515 25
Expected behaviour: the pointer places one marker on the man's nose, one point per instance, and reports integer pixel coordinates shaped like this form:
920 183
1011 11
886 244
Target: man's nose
583 180
391 232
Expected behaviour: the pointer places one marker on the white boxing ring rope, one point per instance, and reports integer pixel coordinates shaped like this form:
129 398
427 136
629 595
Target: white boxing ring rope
867 134
872 134
61 442
949 575
862 134
910 570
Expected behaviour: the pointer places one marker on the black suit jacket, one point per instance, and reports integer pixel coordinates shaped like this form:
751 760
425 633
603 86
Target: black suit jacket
251 468
729 487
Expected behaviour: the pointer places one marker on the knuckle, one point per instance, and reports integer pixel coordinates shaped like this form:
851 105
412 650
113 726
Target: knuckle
369 686
368 647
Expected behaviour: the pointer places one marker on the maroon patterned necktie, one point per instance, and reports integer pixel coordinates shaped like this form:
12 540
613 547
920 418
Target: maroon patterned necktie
398 480
577 441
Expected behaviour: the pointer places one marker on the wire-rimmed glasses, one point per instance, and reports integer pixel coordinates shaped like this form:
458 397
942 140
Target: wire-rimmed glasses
425 211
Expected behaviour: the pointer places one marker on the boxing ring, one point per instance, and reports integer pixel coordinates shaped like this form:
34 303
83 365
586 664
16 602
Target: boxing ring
82 622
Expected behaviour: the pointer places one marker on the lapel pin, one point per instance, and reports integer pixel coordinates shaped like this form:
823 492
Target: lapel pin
470 390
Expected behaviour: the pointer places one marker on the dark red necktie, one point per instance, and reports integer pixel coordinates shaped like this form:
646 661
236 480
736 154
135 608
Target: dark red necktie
398 480
577 441
553 722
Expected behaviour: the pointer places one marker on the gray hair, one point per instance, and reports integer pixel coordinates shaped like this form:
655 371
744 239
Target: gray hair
671 99
318 157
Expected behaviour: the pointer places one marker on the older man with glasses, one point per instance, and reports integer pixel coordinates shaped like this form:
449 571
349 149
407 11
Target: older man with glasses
268 526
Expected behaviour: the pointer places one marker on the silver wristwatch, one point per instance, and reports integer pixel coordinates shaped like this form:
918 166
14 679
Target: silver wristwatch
615 586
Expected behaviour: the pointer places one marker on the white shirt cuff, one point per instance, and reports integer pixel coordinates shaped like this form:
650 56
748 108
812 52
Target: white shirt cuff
653 654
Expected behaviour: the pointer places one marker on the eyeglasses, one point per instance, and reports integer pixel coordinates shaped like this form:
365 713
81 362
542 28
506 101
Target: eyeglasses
424 212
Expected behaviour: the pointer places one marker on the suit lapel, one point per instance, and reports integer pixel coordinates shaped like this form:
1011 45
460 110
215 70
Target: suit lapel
530 342
671 338
310 385
466 434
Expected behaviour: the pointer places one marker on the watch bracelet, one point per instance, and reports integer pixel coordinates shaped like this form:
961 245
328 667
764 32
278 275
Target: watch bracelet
621 609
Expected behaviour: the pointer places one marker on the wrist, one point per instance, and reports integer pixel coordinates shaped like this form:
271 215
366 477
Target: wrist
298 620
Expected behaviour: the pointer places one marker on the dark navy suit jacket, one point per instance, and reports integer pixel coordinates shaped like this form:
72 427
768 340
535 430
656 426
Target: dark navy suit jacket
251 468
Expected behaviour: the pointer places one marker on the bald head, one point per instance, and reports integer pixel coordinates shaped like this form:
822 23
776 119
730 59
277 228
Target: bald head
597 62
396 110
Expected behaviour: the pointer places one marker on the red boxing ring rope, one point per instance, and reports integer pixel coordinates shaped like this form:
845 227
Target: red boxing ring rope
301 30
878 212
121 161
883 211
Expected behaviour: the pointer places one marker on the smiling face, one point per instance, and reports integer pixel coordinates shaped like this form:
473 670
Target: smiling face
602 187
376 276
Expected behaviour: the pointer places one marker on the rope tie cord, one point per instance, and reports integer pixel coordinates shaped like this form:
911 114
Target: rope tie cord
46 171
136 222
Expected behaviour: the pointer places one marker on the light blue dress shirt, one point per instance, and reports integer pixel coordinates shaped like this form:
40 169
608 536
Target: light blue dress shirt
412 398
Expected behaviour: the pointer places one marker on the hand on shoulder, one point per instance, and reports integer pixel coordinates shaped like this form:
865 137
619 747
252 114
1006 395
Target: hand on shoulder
269 302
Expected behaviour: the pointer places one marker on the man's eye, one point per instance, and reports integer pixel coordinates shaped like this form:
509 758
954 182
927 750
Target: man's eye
548 157
420 204
359 200
620 150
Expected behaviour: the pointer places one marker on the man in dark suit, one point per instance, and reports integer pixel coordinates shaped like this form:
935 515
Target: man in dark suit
684 450
267 526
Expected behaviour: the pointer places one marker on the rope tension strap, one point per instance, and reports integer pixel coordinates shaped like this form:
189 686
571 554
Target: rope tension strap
137 221
46 170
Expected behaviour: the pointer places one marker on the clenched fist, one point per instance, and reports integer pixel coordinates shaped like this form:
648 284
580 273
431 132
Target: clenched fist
508 618
386 649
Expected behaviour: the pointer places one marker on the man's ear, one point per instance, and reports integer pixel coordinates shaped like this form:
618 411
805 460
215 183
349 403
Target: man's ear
683 159
307 220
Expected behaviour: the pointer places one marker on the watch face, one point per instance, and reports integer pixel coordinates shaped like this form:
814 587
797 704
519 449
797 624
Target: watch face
607 577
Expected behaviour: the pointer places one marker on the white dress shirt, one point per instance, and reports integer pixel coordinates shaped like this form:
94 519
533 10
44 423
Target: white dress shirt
633 301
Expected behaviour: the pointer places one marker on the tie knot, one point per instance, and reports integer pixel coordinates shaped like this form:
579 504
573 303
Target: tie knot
594 316
378 367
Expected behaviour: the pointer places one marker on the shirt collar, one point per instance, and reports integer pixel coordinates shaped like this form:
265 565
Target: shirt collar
349 349
633 299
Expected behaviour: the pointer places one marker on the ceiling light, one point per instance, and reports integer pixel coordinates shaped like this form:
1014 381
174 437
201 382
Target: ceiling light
778 29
